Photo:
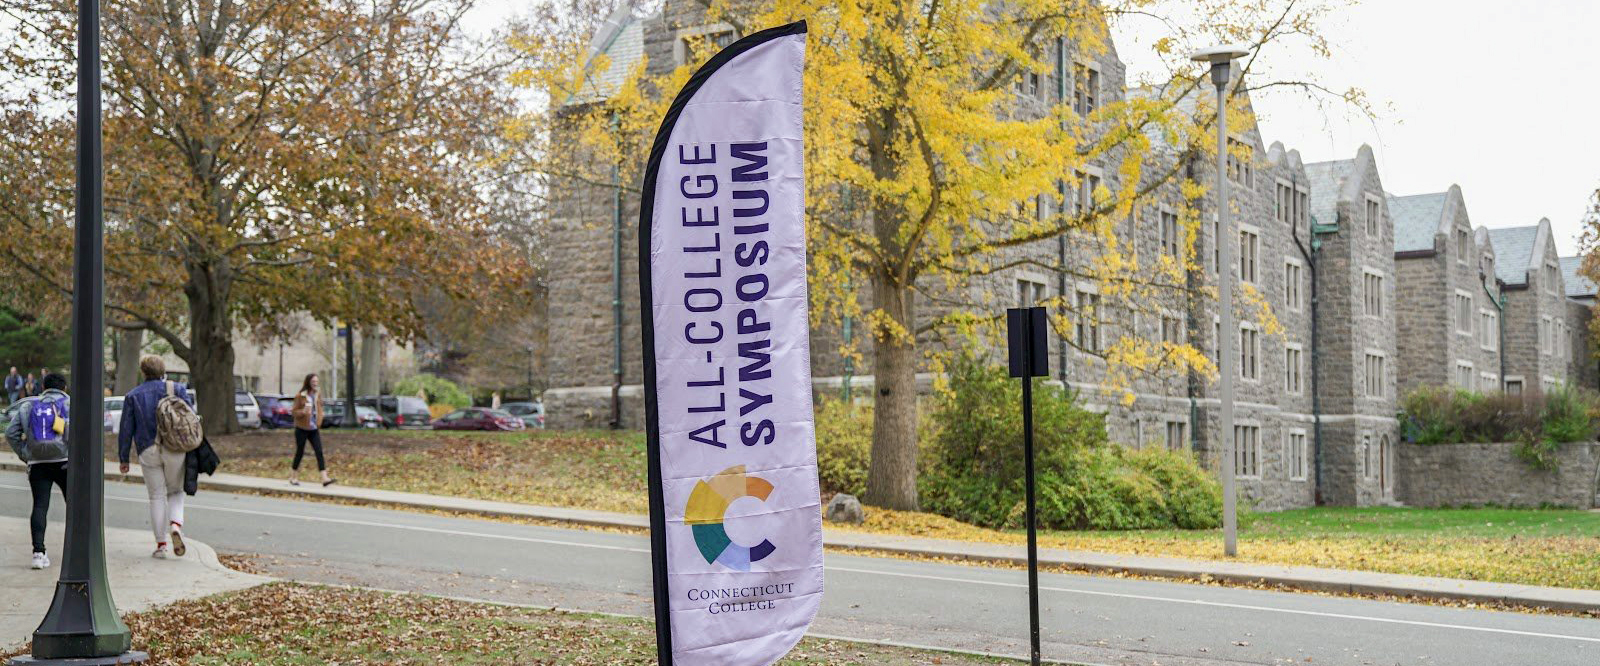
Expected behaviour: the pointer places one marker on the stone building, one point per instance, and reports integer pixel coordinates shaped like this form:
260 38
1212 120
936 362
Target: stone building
1538 338
1354 346
1584 369
1448 299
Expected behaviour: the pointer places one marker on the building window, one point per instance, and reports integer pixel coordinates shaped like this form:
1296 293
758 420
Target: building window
1552 275
1298 458
1249 352
1087 326
1463 245
1216 246
1085 89
1284 203
1374 218
1169 233
1171 330
1488 330
1464 376
1029 293
1488 383
1302 207
1372 294
694 48
1087 184
1177 435
1464 312
1513 387
1367 454
1241 163
1292 375
1249 246
1544 335
1375 374
1247 451
1293 296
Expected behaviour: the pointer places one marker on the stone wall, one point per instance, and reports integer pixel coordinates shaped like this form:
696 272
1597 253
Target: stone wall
1492 474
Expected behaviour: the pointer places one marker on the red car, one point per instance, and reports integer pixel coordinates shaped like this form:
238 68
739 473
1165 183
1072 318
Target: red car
478 418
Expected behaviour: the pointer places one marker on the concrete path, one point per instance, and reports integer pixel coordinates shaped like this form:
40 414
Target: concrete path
138 581
1299 577
1086 619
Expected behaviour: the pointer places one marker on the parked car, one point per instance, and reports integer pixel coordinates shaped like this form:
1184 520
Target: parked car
333 415
399 411
113 414
245 407
478 418
277 411
531 413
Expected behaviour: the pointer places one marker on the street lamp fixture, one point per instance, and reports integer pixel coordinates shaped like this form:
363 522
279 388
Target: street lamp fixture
1221 60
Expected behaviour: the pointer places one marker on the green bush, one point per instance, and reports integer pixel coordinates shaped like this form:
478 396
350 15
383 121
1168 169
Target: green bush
1537 422
844 446
973 467
440 391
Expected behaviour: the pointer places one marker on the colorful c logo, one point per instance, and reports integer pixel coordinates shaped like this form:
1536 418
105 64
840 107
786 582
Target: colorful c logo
708 505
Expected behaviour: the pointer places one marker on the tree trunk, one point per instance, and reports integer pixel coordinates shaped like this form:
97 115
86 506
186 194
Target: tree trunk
369 374
892 474
130 345
211 345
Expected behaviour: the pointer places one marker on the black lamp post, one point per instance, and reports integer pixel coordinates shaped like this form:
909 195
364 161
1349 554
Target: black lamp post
82 626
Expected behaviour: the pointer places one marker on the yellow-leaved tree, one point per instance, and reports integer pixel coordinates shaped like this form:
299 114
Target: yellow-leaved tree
936 160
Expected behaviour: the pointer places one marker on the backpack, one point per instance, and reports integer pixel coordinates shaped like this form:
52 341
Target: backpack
46 420
177 426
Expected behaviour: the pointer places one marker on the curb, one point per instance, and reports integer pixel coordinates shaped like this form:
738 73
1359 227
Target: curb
1312 579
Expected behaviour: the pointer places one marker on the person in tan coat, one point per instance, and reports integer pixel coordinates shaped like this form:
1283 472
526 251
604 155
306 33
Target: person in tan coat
307 413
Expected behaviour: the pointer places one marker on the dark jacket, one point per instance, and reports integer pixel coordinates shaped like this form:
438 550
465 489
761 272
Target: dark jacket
202 460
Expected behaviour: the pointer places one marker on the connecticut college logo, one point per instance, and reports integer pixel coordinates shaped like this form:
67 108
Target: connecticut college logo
708 505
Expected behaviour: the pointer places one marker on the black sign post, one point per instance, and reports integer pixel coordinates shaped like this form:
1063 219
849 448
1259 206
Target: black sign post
1030 357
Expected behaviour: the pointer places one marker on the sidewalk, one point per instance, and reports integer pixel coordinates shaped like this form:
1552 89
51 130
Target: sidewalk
1298 577
138 581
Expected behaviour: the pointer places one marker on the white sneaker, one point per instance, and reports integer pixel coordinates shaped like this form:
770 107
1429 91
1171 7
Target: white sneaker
41 561
177 542
161 552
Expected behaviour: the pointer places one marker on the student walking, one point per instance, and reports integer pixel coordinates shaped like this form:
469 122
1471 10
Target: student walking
307 413
13 386
37 432
30 386
163 465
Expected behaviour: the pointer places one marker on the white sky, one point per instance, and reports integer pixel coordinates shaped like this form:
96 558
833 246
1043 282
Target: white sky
1520 133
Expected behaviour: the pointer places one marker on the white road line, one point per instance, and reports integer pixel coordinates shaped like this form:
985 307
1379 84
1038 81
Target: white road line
946 579
1219 604
365 523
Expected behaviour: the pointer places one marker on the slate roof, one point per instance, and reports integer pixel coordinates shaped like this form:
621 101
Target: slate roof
1326 180
621 40
1513 248
1577 283
1416 220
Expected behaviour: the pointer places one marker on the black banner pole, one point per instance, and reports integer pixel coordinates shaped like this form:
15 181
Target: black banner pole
1025 333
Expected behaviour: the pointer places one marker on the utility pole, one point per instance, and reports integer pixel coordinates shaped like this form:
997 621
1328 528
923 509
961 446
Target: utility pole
1221 59
82 626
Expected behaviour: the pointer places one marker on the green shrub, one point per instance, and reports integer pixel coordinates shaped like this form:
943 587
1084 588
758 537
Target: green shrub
440 391
973 467
1537 422
844 446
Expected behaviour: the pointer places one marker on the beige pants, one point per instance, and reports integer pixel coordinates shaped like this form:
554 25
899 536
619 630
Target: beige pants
163 480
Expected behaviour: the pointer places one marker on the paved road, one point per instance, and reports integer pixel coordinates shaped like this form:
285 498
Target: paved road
1086 619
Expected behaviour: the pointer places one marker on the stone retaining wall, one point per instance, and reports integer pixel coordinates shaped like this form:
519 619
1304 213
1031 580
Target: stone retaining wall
1484 474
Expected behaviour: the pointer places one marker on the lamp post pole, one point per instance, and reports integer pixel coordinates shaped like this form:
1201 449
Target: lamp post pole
1221 59
82 626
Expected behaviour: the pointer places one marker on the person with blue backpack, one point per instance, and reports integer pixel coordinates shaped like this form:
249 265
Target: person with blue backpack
37 432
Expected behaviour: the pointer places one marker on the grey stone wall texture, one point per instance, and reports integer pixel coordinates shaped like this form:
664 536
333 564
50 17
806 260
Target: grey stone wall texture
1441 475
1350 449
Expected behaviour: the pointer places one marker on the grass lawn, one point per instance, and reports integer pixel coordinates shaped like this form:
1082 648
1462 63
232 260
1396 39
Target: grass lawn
287 623
604 470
